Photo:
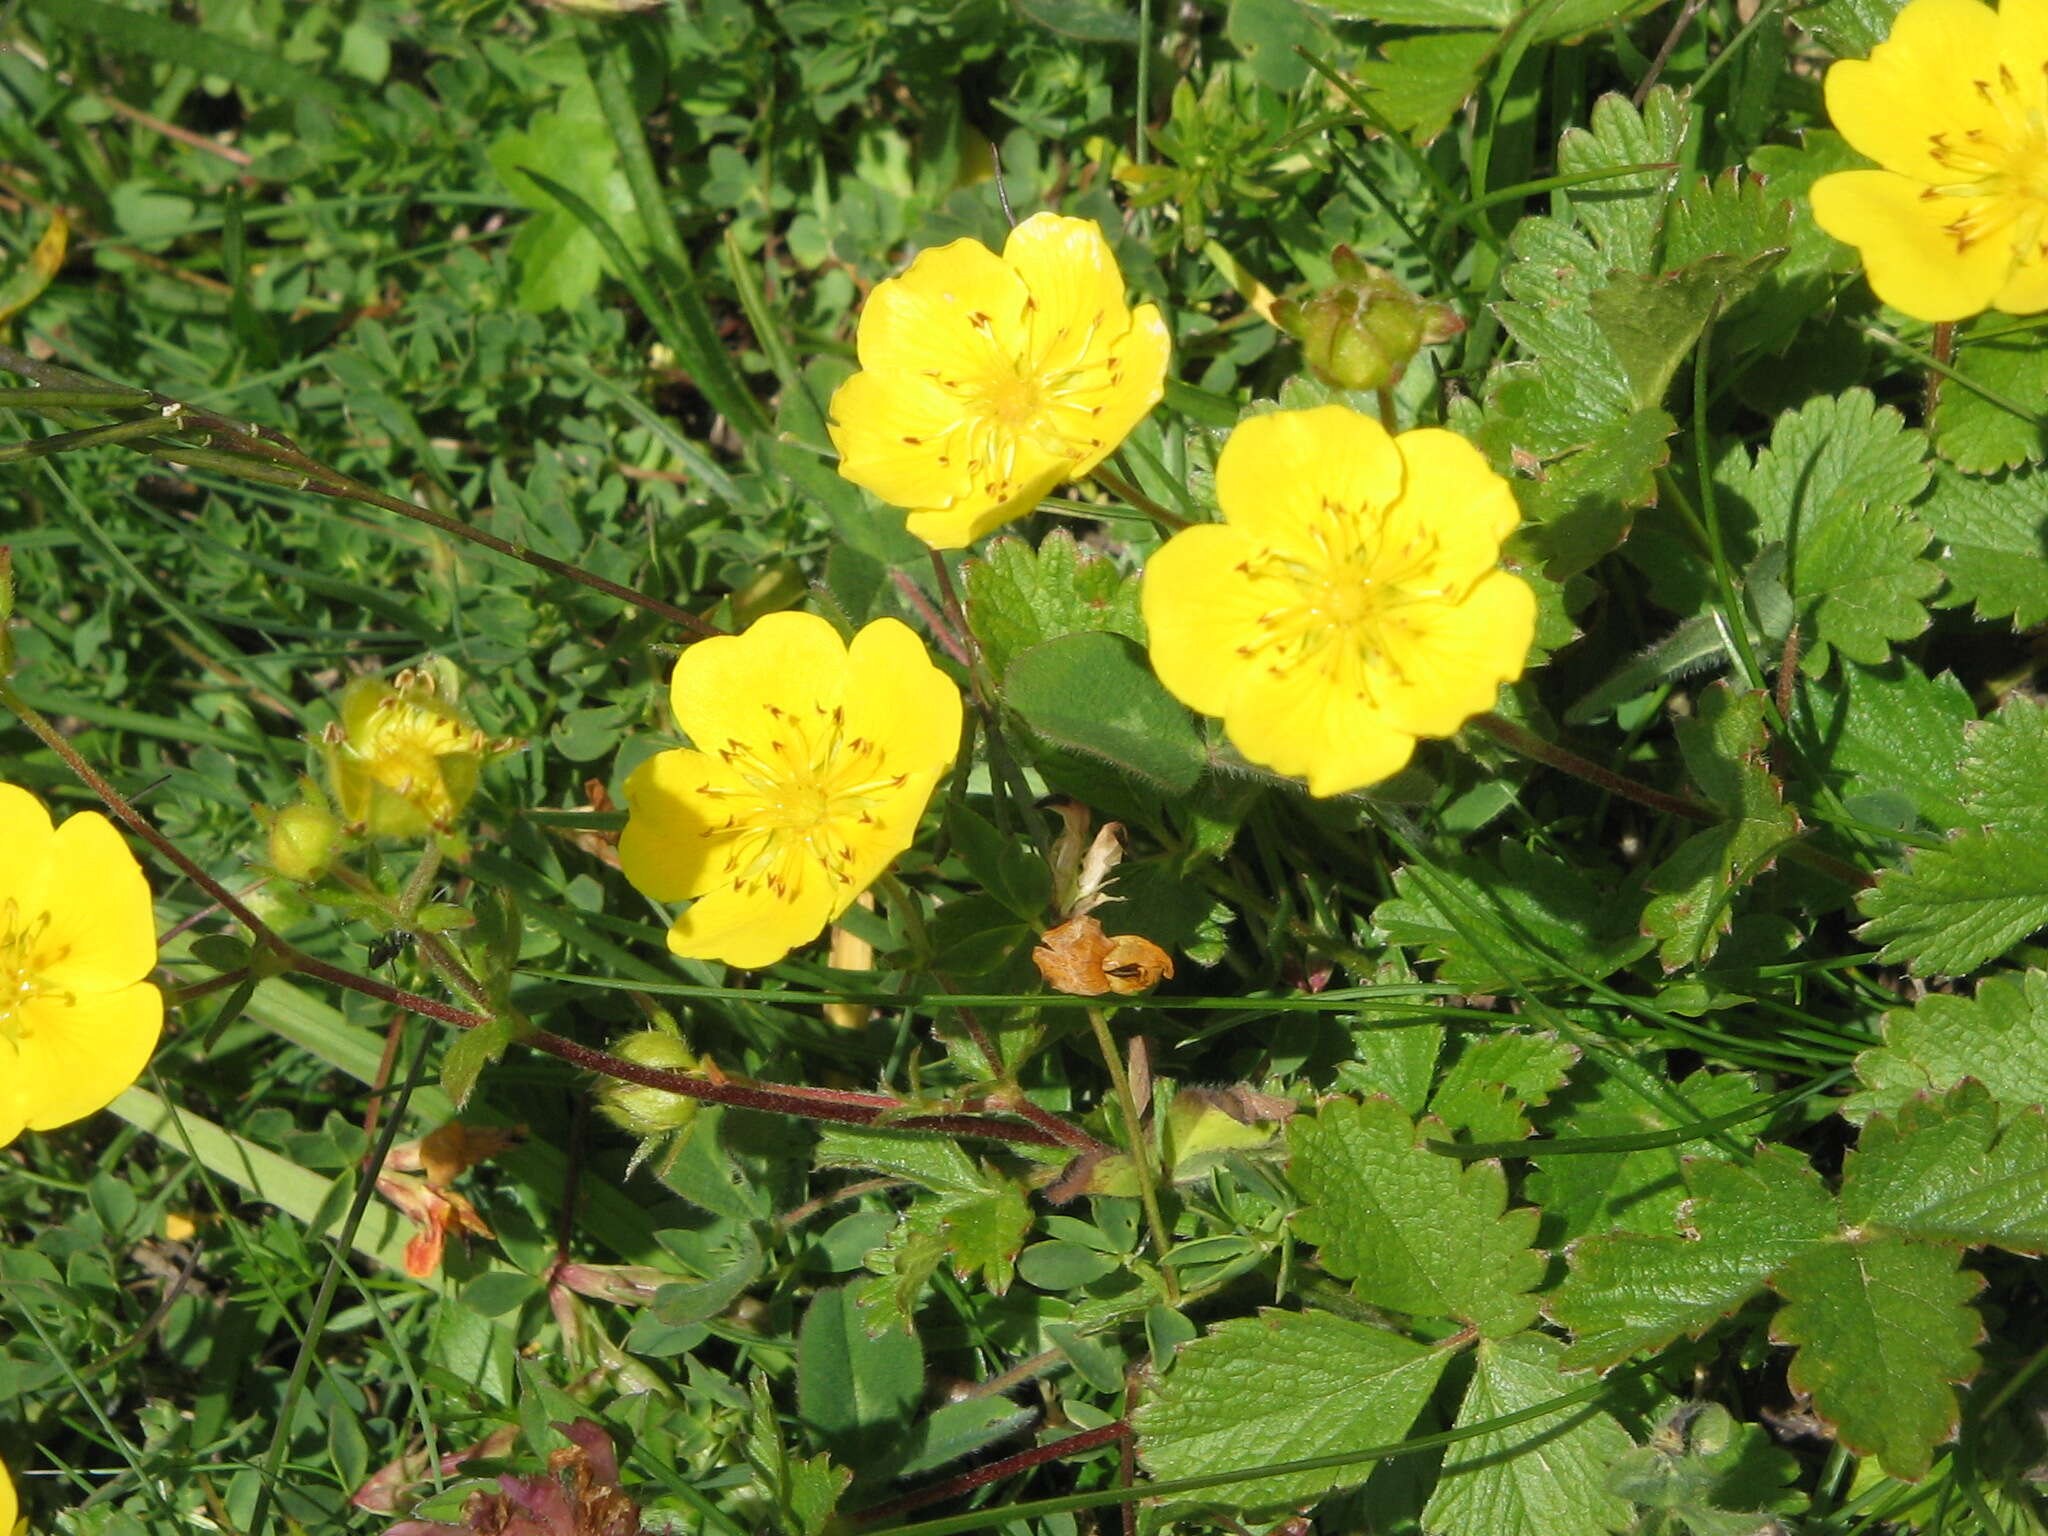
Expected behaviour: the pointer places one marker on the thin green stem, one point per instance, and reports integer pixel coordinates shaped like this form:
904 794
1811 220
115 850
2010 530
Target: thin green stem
1141 1152
1172 522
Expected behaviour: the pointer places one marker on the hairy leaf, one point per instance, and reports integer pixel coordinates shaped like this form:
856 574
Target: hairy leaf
1998 1037
1993 534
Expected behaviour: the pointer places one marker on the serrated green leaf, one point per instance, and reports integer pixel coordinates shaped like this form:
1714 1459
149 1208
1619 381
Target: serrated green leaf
1007 868
1628 1292
1973 433
1414 1231
1652 322
1948 909
1283 1386
1574 386
470 1052
1944 1170
1094 694
1624 214
1583 503
1421 82
812 1494
1018 597
1493 925
1638 1191
1998 1037
1832 488
1543 1477
1494 1078
983 1233
1267 33
1993 533
936 1162
1724 746
1882 1328
1850 28
1894 731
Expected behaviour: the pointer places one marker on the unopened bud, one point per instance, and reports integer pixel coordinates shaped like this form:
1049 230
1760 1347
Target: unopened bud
1364 330
642 1111
302 841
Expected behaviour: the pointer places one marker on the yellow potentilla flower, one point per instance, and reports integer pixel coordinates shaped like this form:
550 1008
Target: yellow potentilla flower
812 763
403 757
10 1512
987 380
1954 107
1349 601
77 937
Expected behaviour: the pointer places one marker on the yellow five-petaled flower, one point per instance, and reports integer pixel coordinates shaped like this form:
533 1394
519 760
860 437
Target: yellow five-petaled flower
1954 107
1349 602
811 763
987 380
77 939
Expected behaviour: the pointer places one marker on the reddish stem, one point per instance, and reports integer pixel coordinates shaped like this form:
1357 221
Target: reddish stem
1023 1461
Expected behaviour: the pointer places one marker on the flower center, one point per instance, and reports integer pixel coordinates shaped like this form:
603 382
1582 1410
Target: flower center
799 801
1013 401
18 979
2001 174
1340 609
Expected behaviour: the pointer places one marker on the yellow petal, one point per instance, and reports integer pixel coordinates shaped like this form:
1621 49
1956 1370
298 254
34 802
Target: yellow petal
2026 291
1279 471
10 1511
1458 654
1033 476
1919 83
1200 606
1911 258
1076 289
2023 37
723 687
1295 723
899 700
1137 383
755 930
102 931
670 848
902 437
923 321
77 1055
1451 494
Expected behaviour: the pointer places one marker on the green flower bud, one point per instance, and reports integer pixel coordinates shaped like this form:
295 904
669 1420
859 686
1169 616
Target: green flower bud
302 841
1364 330
647 1112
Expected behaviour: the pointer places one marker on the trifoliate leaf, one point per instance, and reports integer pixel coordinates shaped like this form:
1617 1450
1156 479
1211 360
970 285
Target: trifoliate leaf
1999 1037
1495 1077
1283 1386
1977 435
1833 488
1990 534
1944 1170
1582 504
1525 918
1639 1190
1882 1328
1894 735
1629 1292
1543 1477
1414 1231
1724 746
1018 597
1949 909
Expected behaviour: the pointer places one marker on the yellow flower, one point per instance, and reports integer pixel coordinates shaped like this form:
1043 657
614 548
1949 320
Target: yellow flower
9 1510
403 757
987 380
77 937
1348 603
813 761
1954 107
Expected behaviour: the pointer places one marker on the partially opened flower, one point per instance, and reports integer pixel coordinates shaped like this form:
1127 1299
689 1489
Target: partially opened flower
404 757
1954 107
811 765
77 937
1349 603
987 380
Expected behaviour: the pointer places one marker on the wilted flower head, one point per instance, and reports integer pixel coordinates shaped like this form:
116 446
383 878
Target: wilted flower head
404 757
811 765
77 938
988 380
1954 107
580 1496
1349 602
